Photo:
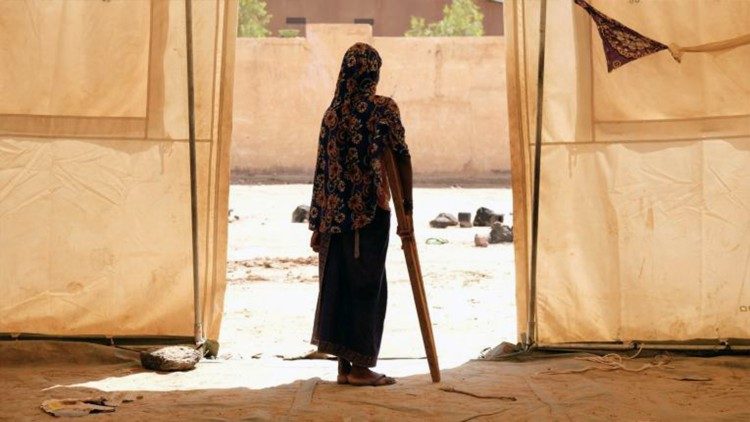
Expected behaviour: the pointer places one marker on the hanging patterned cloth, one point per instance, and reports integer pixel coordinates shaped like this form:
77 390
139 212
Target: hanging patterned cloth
621 44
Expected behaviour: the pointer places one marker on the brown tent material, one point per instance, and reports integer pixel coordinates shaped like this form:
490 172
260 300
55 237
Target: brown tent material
94 172
644 228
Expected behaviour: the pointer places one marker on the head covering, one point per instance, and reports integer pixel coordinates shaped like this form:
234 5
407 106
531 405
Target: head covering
350 182
360 72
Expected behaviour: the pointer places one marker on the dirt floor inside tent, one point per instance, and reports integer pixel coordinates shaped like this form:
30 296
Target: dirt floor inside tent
226 390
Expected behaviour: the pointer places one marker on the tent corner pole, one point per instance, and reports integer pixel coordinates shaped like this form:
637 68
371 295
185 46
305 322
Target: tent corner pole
198 322
531 329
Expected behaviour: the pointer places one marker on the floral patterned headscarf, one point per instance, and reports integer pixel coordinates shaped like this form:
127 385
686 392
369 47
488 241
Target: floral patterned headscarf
360 72
350 180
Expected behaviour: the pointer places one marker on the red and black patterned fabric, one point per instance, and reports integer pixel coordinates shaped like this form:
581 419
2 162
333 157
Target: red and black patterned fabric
350 182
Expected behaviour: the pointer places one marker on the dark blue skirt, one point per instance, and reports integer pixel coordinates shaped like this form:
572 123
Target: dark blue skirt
353 292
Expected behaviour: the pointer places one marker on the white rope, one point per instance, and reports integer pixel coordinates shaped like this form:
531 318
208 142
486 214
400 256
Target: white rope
614 362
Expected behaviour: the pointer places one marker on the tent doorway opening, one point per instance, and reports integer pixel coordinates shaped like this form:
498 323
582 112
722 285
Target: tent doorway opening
456 129
272 278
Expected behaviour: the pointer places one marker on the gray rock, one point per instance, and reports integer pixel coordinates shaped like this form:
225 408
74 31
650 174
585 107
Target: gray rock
464 219
481 241
501 233
501 350
301 214
485 217
171 358
444 220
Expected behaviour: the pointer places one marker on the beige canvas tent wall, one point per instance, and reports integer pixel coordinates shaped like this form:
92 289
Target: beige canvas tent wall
644 221
95 233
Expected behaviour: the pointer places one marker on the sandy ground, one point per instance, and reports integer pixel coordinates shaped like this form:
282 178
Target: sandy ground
250 390
273 278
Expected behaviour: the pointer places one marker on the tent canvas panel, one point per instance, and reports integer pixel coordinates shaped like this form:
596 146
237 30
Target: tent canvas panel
95 207
646 243
58 57
644 223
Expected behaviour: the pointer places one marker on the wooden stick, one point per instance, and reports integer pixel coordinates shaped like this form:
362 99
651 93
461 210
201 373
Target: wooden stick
197 304
412 263
531 329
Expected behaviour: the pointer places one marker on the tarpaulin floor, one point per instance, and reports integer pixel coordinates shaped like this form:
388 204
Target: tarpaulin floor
689 388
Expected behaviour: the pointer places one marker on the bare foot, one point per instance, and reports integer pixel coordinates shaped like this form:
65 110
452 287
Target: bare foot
344 369
361 376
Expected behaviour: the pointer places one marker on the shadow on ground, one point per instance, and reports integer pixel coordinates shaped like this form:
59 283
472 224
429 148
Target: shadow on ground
33 371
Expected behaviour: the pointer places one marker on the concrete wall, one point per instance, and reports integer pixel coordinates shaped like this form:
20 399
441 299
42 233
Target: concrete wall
391 17
451 92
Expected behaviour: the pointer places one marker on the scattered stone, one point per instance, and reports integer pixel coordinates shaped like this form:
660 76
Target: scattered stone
485 217
502 349
444 220
481 241
76 407
172 358
301 214
211 349
501 233
464 219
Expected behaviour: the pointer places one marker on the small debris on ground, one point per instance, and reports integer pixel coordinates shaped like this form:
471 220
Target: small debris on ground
87 406
76 407
451 389
464 219
485 217
481 241
691 377
304 395
301 214
502 349
436 241
232 216
171 358
500 233
444 220
279 262
312 354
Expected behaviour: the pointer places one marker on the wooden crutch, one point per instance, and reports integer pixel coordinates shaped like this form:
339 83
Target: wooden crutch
412 263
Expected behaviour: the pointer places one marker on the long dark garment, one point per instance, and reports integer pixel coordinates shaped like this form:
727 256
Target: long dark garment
349 209
353 292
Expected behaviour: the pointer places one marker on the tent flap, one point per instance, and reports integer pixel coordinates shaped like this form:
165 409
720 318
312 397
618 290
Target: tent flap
644 207
94 171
